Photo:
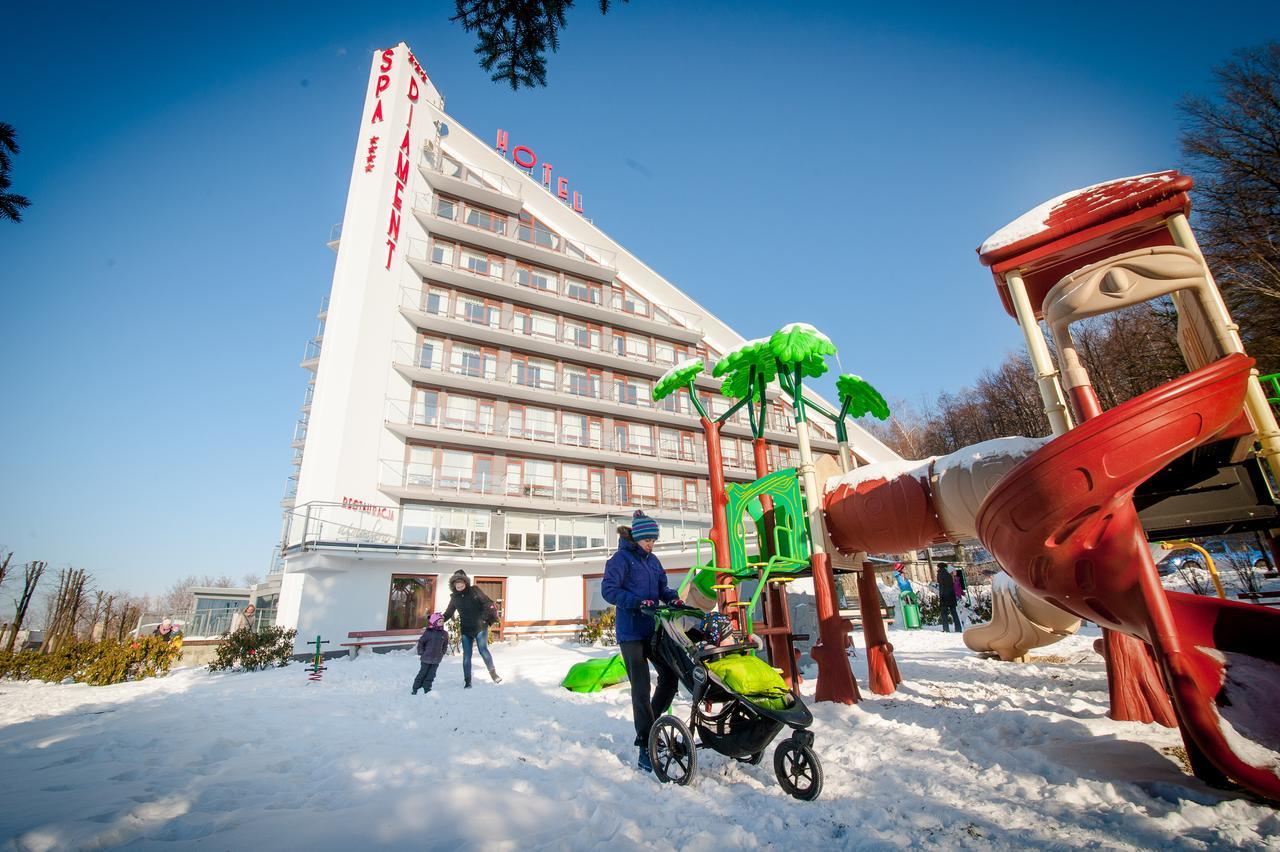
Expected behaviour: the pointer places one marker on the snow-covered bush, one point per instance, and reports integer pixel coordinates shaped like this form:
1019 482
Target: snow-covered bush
95 663
250 650
930 605
598 630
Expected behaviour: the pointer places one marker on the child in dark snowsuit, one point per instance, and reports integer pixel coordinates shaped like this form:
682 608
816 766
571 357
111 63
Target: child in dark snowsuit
431 646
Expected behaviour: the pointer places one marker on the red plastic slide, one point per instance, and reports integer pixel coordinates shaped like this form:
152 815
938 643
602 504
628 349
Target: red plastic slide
1063 524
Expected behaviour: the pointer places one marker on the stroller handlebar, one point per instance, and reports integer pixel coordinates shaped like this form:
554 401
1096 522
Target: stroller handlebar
664 609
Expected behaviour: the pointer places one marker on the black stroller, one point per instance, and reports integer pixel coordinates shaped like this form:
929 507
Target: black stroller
724 720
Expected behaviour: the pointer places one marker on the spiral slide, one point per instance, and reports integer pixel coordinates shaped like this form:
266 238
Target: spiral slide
1064 524
892 507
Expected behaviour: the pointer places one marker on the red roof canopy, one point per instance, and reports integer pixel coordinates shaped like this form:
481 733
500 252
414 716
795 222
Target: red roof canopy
1083 227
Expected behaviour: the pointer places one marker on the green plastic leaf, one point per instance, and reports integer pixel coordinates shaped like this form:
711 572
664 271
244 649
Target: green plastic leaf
864 398
679 376
800 344
736 368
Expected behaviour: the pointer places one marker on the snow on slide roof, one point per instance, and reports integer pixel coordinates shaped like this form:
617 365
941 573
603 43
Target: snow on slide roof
891 469
1037 220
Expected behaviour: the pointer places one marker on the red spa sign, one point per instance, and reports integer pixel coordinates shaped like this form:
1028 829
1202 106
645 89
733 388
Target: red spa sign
403 157
524 157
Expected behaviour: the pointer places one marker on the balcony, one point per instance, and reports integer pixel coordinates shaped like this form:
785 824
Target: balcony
516 436
335 237
482 187
508 235
323 313
487 325
311 354
537 389
410 480
300 433
653 319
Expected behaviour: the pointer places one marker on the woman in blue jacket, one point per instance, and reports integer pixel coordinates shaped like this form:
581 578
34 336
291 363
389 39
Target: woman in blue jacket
633 577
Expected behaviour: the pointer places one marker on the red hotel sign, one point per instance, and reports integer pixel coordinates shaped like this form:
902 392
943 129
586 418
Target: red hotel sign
403 157
525 158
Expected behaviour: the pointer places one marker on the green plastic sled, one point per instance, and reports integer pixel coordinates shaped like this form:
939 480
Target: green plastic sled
595 675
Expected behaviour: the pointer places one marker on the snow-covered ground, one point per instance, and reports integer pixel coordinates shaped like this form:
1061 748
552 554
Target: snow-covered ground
969 752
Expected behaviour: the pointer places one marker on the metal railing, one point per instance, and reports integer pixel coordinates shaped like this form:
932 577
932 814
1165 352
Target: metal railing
420 250
449 167
376 528
442 481
401 413
564 333
205 623
312 350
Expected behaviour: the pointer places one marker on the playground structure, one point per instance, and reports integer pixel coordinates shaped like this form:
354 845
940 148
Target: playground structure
1069 517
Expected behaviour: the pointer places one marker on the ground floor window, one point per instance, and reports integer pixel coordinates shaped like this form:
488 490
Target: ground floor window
411 600
593 603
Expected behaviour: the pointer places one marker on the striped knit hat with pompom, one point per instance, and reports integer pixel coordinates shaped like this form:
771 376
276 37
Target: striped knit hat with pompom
643 526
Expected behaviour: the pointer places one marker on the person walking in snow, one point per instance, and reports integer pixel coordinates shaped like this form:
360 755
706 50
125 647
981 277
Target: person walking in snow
476 611
633 577
431 647
947 598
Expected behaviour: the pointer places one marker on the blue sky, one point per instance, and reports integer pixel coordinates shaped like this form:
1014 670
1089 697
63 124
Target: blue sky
778 161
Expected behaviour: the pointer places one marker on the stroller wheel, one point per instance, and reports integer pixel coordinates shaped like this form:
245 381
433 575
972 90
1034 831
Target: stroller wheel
798 770
672 752
753 759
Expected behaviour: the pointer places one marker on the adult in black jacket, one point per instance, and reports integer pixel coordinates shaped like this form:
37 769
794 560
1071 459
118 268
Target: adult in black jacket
474 609
947 598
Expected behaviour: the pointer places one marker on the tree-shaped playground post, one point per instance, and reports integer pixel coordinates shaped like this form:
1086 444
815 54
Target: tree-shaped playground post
801 352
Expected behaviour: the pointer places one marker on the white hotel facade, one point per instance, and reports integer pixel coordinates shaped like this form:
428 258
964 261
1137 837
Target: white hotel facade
480 390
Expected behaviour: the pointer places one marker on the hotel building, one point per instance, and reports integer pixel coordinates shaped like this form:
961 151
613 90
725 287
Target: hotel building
480 390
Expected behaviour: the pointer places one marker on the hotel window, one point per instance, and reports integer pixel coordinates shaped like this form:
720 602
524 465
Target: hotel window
581 290
664 352
669 443
468 413
411 600
468 360
446 209
632 391
636 488
482 264
477 311
672 491
426 407
637 347
634 304
538 424
729 450
487 221
579 430
456 467
532 276
533 231
581 335
421 466
544 325
533 372
442 252
431 353
521 321
593 603
580 381
462 527
532 478
633 438
435 301
619 344
691 494
573 482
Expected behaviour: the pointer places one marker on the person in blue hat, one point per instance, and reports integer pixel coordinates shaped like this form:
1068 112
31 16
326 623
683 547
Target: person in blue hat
633 577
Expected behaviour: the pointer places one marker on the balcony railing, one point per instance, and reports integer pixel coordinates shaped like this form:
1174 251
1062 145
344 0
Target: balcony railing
205 623
438 481
311 351
491 316
377 528
399 412
420 251
482 178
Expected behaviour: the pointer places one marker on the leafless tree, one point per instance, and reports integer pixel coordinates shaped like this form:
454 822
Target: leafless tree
1232 148
65 608
179 599
32 572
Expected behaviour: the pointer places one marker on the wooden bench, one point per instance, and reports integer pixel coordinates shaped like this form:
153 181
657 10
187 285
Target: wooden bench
376 638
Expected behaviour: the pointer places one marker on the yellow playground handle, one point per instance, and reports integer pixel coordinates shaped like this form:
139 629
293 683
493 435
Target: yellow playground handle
1213 569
